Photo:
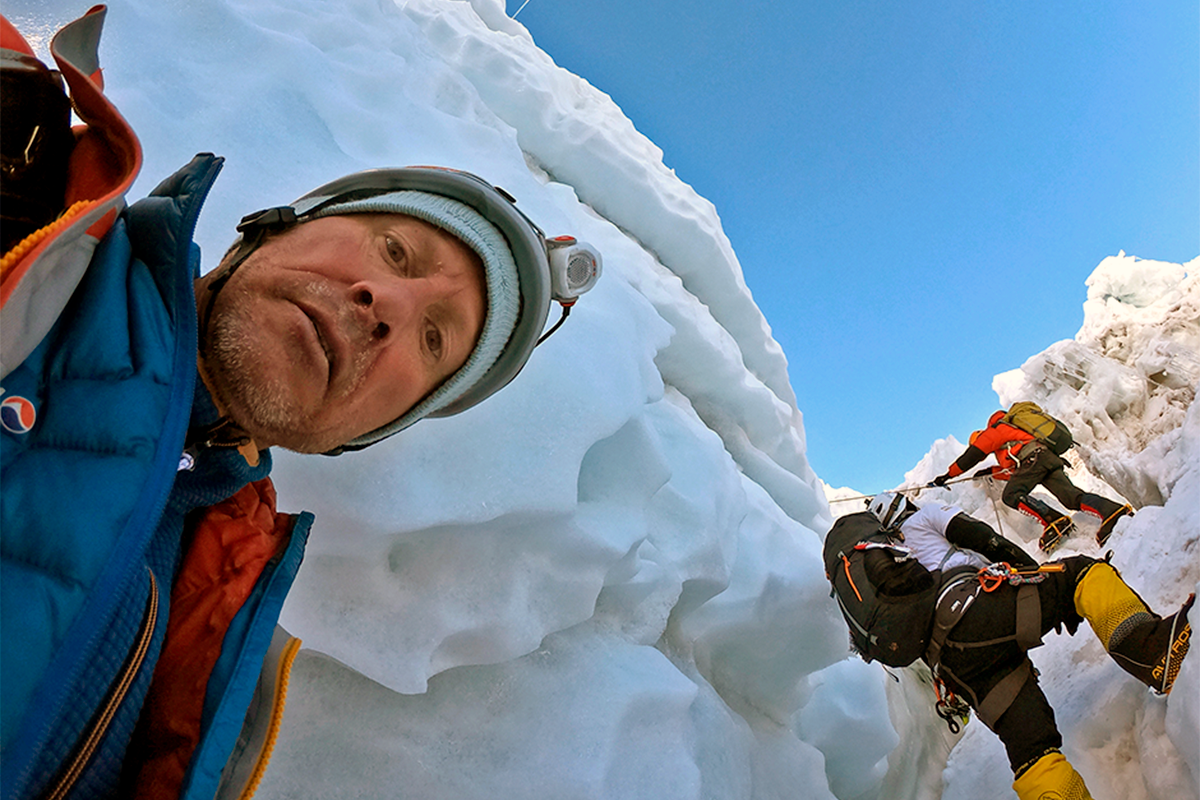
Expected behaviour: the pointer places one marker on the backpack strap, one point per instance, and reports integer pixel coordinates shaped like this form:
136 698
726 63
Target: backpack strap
958 593
959 589
1026 450
951 551
901 552
1028 633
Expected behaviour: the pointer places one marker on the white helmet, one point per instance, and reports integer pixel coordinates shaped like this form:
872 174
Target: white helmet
891 508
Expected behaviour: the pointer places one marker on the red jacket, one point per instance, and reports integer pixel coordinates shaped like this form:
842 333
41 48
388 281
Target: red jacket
999 438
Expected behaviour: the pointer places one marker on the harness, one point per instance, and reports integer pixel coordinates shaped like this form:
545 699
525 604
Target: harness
961 587
1026 450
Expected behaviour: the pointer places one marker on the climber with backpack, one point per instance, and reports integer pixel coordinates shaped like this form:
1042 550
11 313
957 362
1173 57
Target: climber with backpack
930 582
1029 445
878 583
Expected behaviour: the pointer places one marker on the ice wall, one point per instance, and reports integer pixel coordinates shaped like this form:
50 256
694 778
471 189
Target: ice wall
1128 377
603 582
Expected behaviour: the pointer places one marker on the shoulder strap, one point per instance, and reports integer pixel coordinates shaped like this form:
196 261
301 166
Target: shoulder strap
949 552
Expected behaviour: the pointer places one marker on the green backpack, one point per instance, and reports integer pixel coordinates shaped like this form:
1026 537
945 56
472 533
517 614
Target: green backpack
1030 418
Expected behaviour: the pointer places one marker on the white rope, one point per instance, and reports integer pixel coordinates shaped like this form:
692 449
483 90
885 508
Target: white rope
996 509
916 489
514 16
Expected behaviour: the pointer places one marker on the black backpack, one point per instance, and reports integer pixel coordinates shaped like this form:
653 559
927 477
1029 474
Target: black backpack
885 594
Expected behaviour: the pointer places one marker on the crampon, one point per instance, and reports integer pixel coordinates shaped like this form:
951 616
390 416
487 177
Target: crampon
1054 533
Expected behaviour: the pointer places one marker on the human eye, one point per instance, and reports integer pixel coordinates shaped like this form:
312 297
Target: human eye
433 340
396 253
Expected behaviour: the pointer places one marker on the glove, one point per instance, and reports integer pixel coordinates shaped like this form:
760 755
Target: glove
940 480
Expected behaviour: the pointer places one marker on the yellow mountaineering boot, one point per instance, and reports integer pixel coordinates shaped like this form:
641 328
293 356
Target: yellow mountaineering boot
1051 778
1144 644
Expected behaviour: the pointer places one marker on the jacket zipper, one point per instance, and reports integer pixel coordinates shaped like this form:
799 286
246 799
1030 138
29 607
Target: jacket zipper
91 737
283 677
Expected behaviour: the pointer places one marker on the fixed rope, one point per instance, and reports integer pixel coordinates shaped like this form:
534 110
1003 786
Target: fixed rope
916 489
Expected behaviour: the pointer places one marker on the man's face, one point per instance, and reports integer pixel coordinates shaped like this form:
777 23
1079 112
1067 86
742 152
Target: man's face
340 325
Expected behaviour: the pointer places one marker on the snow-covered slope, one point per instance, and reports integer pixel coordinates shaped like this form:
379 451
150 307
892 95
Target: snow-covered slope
605 581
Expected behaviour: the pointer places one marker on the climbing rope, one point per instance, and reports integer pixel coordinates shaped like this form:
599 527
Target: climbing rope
916 489
996 509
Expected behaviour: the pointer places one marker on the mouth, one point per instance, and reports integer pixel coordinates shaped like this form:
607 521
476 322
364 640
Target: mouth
325 340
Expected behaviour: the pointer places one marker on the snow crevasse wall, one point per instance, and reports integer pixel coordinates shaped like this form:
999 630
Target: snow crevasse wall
605 581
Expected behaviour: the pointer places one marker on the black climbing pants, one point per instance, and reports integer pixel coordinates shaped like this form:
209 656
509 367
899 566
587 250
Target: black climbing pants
1047 469
973 663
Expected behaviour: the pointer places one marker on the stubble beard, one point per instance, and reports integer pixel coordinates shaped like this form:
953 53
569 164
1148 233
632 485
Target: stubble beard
255 395
256 399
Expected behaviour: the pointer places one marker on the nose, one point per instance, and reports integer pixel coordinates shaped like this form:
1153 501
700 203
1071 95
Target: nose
386 307
363 299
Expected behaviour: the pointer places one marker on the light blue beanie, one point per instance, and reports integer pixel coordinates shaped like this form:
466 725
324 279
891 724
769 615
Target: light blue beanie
503 289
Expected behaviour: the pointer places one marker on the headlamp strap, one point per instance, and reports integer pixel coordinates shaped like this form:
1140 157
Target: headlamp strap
253 228
566 311
268 219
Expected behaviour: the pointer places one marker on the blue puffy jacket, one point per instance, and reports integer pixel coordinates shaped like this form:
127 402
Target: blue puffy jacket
92 518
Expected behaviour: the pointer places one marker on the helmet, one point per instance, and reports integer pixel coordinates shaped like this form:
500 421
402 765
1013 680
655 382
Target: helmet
891 508
558 269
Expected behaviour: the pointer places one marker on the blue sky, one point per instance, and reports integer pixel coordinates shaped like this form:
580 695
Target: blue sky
916 191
